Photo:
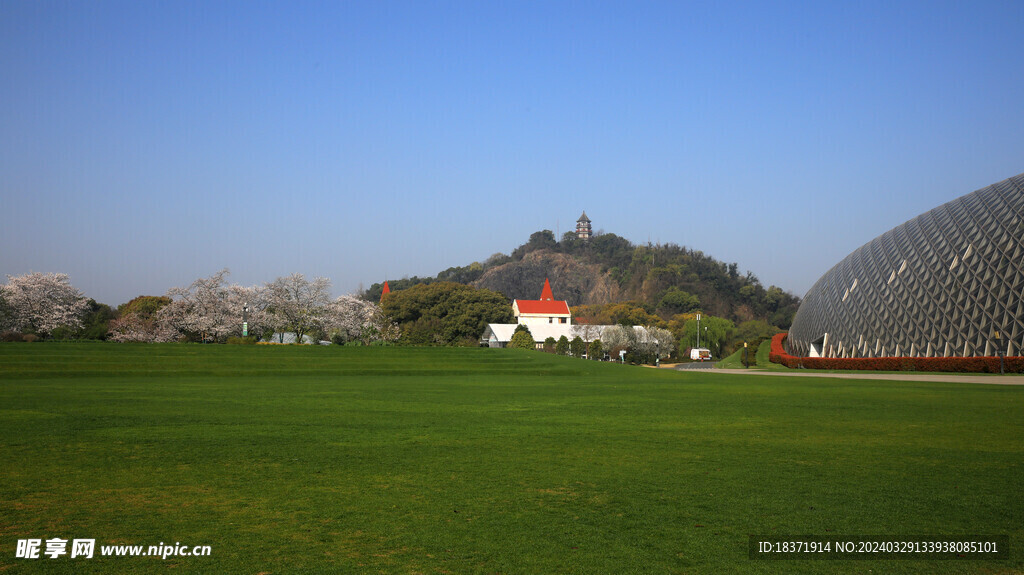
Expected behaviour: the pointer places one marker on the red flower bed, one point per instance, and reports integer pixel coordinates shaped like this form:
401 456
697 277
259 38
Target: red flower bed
957 364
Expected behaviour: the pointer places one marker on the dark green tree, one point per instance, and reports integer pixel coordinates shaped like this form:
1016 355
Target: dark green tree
594 350
676 301
445 313
562 347
549 344
144 307
753 332
96 321
544 239
6 314
522 340
577 347
715 332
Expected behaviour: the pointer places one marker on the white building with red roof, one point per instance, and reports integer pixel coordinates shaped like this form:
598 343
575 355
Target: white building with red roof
547 318
543 311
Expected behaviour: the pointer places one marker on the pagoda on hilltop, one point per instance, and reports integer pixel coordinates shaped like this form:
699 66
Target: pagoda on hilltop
583 228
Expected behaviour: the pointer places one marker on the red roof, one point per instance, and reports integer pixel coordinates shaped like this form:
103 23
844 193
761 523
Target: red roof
542 307
545 294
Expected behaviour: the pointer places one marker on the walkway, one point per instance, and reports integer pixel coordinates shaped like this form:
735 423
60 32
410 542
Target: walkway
989 379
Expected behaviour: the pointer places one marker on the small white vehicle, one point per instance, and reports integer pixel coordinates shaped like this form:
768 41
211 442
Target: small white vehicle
700 354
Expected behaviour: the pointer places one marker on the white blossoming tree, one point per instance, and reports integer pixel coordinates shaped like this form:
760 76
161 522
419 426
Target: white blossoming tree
659 342
349 318
40 303
298 305
199 312
617 338
256 300
207 310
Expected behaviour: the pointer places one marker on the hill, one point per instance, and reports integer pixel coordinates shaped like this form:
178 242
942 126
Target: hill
665 279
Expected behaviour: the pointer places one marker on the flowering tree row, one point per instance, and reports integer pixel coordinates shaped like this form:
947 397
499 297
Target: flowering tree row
211 310
207 310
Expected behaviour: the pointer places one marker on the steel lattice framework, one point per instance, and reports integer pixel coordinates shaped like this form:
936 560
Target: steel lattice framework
949 282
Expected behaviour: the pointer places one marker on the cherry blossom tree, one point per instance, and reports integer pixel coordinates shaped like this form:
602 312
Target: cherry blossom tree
257 300
40 303
297 304
617 338
133 328
347 317
199 312
658 342
207 310
350 318
383 329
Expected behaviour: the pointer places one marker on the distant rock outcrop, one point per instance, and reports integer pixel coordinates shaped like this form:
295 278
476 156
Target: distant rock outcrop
575 282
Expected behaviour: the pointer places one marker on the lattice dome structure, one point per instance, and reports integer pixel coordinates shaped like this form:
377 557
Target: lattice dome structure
948 283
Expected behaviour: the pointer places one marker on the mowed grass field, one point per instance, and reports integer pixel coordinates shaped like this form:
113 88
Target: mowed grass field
416 460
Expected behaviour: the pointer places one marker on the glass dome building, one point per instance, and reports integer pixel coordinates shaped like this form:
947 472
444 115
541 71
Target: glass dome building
948 283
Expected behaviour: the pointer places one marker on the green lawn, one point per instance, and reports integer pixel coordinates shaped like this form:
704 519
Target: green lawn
735 359
416 460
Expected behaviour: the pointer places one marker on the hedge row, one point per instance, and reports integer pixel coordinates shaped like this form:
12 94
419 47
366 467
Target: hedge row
962 364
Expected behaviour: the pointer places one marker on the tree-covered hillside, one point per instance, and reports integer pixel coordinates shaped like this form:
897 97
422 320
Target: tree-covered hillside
666 279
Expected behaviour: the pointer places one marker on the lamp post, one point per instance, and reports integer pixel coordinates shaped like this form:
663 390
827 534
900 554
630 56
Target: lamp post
698 331
745 363
245 319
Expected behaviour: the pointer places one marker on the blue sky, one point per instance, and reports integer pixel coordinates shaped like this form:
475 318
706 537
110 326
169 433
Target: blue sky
146 144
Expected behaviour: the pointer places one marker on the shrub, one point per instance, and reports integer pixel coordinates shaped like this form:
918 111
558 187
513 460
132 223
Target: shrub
11 336
522 340
953 364
549 344
562 346
577 347
30 338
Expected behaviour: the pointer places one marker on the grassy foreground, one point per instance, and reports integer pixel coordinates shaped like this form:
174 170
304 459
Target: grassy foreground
399 460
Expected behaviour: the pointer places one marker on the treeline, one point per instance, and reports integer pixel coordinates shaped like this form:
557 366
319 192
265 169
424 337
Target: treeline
46 306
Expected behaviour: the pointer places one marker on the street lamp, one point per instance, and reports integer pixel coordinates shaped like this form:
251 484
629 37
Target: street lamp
245 319
698 331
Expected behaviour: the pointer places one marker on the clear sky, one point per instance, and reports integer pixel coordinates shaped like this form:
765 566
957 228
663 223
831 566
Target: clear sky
146 144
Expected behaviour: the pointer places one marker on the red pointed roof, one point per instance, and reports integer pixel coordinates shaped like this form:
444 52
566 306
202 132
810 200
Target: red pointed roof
545 294
546 305
533 306
385 291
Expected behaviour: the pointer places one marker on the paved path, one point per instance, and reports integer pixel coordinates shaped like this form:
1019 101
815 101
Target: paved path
695 365
989 379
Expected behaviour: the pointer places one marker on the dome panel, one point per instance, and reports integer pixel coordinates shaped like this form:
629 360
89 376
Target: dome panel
940 284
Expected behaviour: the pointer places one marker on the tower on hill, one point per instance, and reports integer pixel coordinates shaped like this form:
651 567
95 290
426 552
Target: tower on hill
583 228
